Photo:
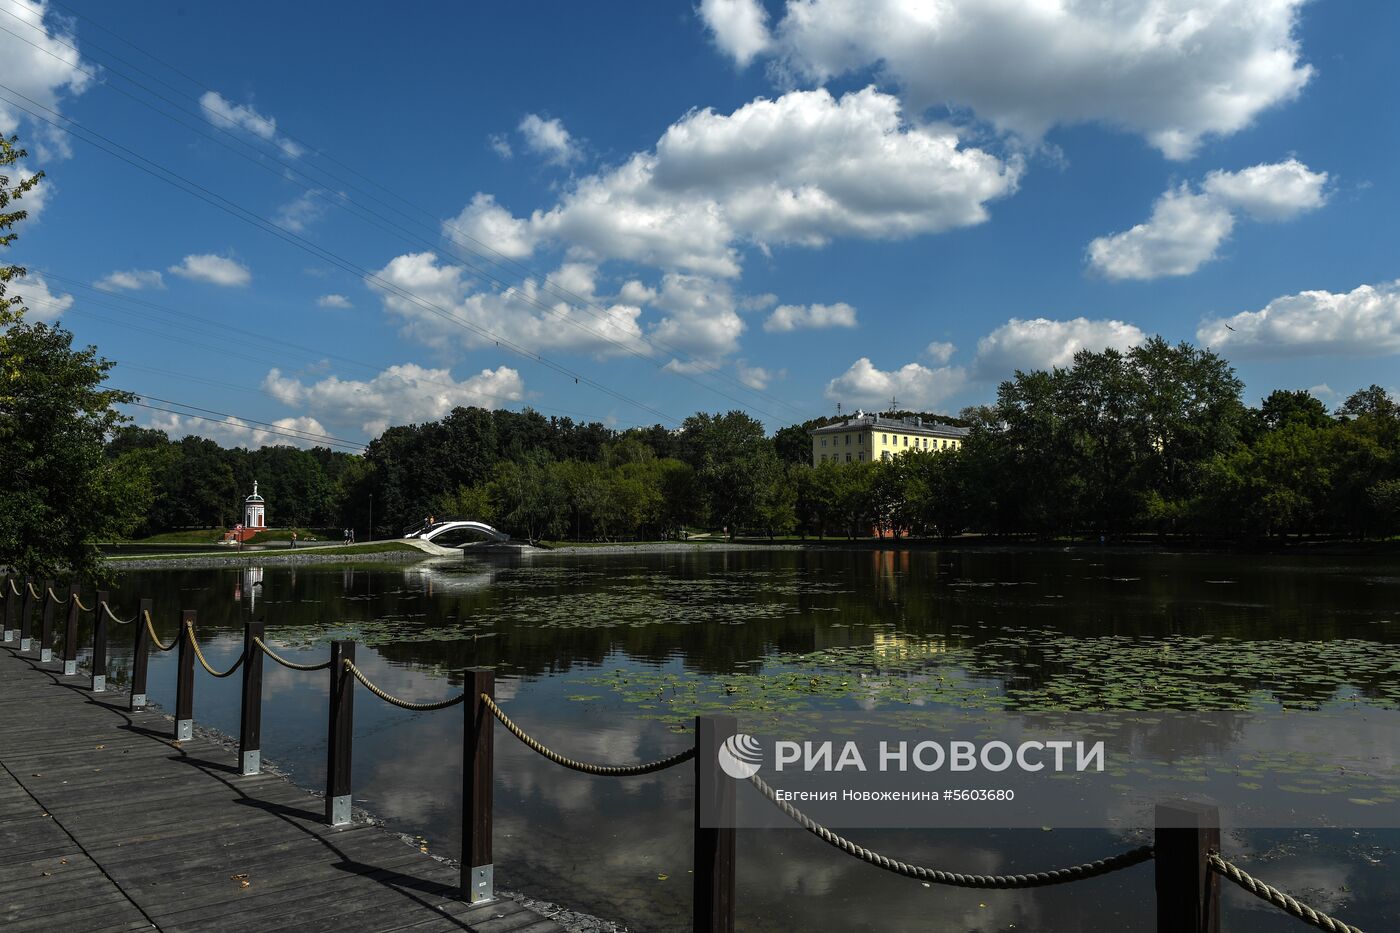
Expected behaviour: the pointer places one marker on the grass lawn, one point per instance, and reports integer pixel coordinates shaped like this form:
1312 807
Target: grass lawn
378 547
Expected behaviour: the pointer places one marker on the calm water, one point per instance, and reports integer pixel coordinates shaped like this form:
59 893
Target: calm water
604 656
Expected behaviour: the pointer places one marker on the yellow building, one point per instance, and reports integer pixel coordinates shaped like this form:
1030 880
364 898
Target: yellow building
866 438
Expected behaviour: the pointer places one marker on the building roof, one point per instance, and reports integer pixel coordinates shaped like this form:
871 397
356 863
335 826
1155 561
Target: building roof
254 497
913 425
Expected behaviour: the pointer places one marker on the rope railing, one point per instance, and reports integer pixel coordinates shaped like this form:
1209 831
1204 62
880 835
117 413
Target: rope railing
14 589
395 701
111 615
1285 902
199 655
53 597
583 766
155 639
81 608
33 592
1037 879
292 665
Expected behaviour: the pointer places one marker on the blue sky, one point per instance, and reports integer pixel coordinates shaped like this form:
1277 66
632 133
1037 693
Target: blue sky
631 211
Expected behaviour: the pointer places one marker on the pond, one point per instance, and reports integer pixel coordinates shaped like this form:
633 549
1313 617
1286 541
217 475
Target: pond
609 657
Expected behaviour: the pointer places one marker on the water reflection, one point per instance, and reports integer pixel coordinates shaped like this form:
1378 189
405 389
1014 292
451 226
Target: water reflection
1000 621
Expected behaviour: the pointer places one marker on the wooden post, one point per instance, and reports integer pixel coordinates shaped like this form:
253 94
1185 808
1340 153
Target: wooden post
1188 892
70 633
140 655
12 603
339 734
478 754
99 642
714 844
250 724
26 615
46 627
184 679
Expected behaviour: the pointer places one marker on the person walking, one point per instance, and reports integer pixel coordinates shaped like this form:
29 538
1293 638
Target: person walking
293 541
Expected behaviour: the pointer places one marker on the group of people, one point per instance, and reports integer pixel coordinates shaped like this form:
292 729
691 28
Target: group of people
349 536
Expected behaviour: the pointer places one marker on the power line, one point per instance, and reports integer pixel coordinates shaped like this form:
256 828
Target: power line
232 421
178 181
601 314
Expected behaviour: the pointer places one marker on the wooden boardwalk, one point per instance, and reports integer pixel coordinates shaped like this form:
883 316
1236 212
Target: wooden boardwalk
107 824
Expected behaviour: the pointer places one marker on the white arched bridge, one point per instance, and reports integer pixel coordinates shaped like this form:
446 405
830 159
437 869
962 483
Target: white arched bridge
453 529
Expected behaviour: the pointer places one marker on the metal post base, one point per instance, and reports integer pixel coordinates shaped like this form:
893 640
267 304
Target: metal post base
24 644
138 700
338 810
252 762
99 683
45 654
70 668
184 730
10 635
483 884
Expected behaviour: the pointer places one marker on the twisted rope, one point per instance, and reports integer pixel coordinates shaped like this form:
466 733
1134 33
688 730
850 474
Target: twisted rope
194 642
585 767
108 609
1285 902
956 879
289 664
155 639
395 701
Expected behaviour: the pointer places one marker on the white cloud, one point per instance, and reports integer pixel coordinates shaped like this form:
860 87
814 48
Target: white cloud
1173 71
549 138
1042 344
701 320
1187 227
31 202
307 208
130 280
333 301
1359 323
914 385
1183 234
500 145
440 305
756 377
940 351
235 432
483 221
1280 191
810 317
43 303
739 27
399 395
36 61
216 270
227 115
801 169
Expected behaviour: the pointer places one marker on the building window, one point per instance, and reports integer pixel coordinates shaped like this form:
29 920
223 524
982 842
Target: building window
860 439
823 442
885 455
906 440
884 439
848 457
848 440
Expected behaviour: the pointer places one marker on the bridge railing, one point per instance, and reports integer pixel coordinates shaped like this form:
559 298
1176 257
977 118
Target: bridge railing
1186 839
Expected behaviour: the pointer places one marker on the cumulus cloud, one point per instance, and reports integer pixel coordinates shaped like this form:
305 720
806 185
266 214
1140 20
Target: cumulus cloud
483 221
810 317
756 377
216 270
549 139
1173 71
1362 322
130 280
739 27
43 303
303 432
302 211
913 384
801 169
940 351
242 118
399 395
333 301
1187 227
38 59
500 145
440 305
1042 344
701 321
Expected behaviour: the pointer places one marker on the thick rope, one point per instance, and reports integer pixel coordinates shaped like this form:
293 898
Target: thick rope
194 642
955 879
14 589
1273 895
33 592
81 607
395 701
64 600
289 664
155 639
585 767
108 609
